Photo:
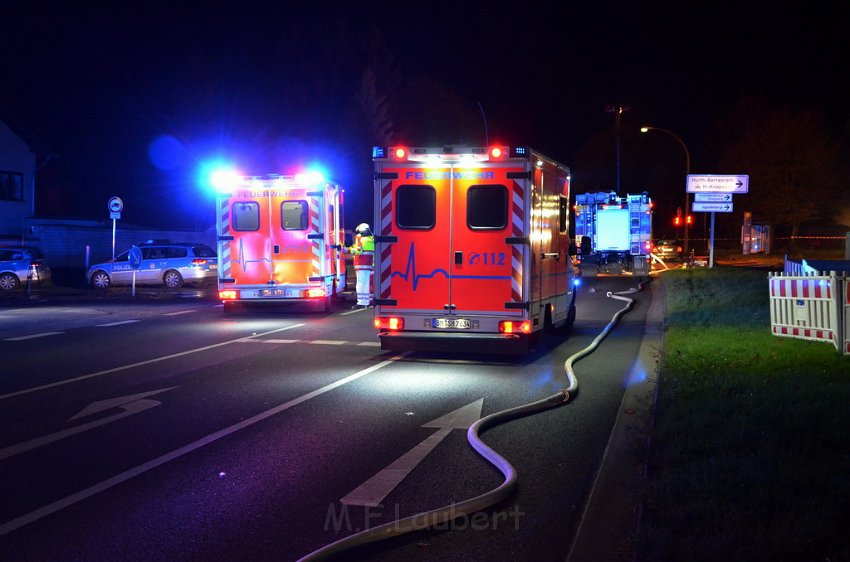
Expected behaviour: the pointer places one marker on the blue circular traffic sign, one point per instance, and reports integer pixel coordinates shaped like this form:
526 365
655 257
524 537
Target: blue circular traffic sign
116 205
135 257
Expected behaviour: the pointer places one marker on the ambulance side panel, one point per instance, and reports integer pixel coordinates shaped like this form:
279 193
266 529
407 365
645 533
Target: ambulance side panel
552 271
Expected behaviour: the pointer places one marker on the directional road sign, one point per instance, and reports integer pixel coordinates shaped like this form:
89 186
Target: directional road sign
713 197
717 184
135 257
712 207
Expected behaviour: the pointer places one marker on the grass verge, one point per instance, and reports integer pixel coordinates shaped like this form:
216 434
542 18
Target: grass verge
750 454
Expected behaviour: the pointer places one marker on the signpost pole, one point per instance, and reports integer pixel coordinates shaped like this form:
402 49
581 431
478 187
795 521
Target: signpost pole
113 238
135 259
711 243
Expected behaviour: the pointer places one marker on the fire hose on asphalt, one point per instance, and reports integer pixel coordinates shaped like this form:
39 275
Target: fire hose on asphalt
427 519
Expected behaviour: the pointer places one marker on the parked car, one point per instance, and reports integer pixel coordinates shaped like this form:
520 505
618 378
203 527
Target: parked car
20 265
167 264
668 250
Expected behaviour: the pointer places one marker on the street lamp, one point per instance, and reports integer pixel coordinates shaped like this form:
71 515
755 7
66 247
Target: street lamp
618 110
687 172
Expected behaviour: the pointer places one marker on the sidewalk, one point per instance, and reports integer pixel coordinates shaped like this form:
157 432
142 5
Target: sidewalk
609 524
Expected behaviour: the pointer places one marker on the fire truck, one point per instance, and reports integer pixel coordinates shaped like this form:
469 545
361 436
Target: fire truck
276 240
613 234
472 248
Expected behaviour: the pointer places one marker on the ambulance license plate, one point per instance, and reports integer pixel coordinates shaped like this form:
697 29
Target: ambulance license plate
461 323
272 293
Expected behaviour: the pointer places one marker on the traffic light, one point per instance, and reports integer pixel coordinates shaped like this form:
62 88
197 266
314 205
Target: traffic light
690 220
677 221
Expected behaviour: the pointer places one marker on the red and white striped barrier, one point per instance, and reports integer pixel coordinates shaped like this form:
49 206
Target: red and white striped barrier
845 309
810 307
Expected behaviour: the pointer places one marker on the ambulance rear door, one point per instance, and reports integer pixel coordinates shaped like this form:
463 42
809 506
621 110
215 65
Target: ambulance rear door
250 245
295 223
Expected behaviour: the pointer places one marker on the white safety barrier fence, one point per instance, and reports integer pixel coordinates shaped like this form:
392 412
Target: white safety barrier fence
811 307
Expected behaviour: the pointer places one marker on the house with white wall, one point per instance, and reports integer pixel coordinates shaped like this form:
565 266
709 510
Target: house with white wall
21 153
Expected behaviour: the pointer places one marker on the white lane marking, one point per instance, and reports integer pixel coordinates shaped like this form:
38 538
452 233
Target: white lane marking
22 338
140 363
355 311
276 341
58 505
318 342
41 335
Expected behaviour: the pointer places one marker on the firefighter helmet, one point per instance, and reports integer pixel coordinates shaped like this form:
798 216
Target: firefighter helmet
362 228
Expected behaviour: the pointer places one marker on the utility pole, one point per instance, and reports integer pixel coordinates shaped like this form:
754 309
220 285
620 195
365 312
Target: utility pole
618 111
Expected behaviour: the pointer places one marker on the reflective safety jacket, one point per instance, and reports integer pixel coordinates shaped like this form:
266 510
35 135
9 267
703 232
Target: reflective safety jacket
363 250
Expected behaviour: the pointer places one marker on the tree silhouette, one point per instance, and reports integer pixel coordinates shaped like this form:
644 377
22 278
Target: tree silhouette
792 160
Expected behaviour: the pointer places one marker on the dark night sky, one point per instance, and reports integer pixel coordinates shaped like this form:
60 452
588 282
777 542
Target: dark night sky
101 85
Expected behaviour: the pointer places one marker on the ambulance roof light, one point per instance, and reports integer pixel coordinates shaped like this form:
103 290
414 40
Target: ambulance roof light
310 177
496 152
399 153
224 180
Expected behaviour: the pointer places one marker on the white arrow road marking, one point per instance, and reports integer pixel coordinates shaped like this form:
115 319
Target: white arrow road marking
58 505
102 405
373 491
133 404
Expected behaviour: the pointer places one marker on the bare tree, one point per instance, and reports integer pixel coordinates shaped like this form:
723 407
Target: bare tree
792 160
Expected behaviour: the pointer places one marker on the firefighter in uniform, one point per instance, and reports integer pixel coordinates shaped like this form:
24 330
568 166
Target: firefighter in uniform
363 252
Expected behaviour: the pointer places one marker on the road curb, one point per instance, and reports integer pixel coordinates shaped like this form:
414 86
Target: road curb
608 527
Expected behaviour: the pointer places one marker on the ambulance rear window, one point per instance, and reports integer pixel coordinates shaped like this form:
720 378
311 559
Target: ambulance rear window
246 216
416 207
487 207
294 215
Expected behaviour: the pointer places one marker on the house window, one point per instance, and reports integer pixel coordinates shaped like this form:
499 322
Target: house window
11 186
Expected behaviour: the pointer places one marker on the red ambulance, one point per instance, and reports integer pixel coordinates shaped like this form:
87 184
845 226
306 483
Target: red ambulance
276 238
472 248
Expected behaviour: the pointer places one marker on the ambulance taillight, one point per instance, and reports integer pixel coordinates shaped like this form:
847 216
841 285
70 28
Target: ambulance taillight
389 323
228 295
315 293
513 327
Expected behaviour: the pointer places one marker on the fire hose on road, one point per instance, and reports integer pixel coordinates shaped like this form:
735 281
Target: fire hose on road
425 520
